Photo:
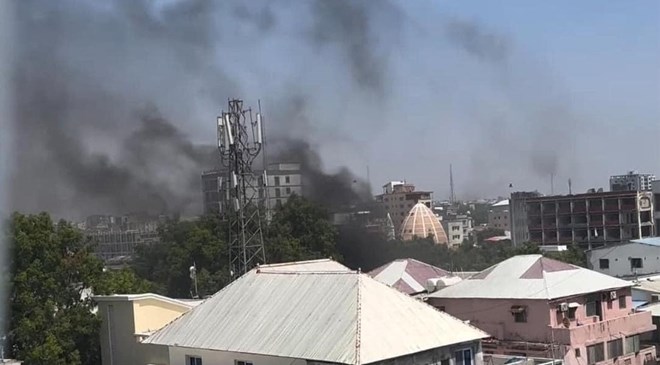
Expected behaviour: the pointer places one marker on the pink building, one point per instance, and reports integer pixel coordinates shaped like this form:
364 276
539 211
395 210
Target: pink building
538 307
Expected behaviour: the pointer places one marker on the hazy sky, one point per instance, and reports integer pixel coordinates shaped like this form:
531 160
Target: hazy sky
110 95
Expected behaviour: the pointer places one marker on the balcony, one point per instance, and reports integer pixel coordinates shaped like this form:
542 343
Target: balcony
634 323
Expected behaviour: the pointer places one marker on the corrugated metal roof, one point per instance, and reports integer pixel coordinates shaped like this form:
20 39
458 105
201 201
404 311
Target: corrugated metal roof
322 265
407 275
652 241
531 277
314 316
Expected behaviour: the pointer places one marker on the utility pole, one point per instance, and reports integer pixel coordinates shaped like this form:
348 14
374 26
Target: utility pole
240 140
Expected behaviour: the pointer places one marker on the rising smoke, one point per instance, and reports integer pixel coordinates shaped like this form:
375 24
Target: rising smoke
116 100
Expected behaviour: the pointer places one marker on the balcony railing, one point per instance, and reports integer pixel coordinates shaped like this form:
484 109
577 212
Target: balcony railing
632 324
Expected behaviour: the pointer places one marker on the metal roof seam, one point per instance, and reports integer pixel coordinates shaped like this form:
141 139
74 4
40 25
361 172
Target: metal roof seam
358 319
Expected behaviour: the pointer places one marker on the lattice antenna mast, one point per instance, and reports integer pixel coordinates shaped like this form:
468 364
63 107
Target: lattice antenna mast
240 141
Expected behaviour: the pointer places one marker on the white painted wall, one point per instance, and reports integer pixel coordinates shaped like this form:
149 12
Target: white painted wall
619 259
178 357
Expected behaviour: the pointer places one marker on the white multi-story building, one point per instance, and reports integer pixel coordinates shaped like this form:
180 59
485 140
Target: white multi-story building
284 180
632 181
498 216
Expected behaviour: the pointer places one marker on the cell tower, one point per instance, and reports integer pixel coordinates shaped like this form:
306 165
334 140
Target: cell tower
452 196
240 141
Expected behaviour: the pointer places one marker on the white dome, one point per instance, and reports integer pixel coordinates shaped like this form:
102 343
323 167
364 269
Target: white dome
422 223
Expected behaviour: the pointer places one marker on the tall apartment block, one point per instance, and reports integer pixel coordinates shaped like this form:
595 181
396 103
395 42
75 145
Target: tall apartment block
399 197
518 215
656 203
284 180
632 181
591 219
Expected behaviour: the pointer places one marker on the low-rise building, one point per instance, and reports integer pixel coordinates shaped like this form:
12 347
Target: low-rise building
277 314
628 259
126 320
412 277
535 306
498 216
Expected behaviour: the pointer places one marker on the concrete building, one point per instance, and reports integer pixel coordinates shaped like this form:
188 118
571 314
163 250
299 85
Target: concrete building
656 204
498 216
627 260
535 306
459 227
126 320
593 219
518 215
282 315
117 237
399 197
632 181
284 180
413 277
422 223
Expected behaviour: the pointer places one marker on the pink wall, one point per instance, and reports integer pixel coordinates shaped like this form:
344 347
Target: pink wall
545 322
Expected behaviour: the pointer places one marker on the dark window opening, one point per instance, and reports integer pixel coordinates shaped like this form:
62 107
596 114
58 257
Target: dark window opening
604 263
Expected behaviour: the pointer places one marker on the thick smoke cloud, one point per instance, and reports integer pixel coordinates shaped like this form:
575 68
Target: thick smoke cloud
116 100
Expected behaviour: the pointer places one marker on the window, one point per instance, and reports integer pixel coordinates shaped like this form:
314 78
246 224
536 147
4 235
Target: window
571 313
455 228
519 313
577 352
604 263
193 360
288 191
277 181
444 362
632 344
287 179
595 353
622 302
614 348
593 306
463 357
456 237
277 192
635 263
240 362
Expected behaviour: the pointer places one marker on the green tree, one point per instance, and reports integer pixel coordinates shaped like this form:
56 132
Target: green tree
123 281
51 321
183 244
301 230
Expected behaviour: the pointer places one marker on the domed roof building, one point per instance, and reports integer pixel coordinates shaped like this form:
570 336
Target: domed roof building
422 223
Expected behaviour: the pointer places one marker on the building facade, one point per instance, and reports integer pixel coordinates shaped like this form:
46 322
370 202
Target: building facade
283 180
656 203
399 197
518 215
499 217
128 319
538 307
592 219
627 260
117 236
632 181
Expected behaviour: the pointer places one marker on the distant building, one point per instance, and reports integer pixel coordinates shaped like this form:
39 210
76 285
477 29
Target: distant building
632 181
315 317
628 260
459 227
539 307
116 237
591 219
498 216
399 197
422 223
518 215
284 180
656 203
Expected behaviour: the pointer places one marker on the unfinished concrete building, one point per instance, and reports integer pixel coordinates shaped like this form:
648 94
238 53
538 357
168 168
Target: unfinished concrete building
592 219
